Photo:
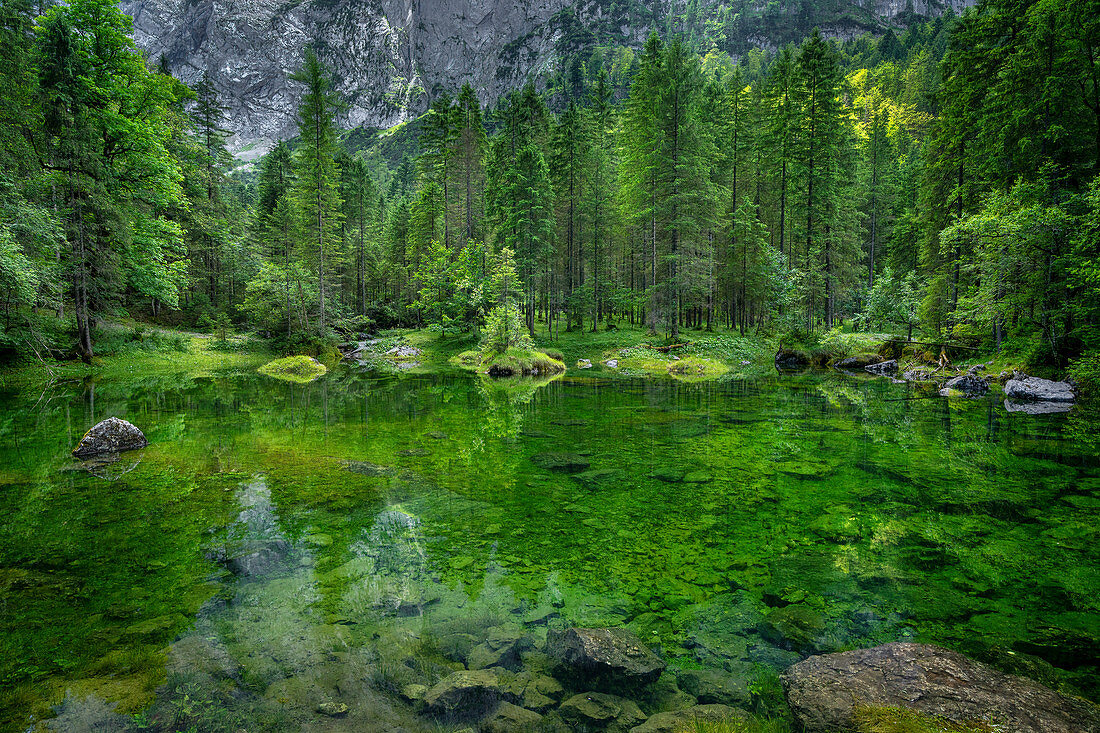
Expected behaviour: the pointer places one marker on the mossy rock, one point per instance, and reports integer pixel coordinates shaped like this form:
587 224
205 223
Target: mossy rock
298 369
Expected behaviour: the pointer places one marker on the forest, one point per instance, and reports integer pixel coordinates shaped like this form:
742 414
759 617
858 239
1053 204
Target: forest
941 181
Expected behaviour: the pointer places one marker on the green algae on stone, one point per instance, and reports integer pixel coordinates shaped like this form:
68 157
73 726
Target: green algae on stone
297 369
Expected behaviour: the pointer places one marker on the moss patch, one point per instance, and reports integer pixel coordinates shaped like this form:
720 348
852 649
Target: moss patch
901 720
299 369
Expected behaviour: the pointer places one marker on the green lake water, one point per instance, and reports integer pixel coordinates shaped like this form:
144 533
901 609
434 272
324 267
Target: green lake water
279 546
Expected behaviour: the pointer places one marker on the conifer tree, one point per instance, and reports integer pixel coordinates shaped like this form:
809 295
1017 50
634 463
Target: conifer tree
316 193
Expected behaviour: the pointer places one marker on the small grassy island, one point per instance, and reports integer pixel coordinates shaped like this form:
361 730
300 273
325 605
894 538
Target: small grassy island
299 369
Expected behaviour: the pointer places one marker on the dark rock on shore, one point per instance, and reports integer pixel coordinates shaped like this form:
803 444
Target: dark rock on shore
791 359
883 368
110 436
970 385
604 659
859 361
823 691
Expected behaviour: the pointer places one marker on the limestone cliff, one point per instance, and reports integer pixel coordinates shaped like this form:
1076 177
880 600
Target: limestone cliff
390 56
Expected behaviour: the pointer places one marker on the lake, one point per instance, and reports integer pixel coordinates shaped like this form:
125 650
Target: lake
280 551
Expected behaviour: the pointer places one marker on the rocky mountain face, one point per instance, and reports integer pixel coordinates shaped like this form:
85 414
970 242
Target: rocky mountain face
389 57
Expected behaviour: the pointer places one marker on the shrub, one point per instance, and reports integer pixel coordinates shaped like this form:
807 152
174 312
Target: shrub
1086 373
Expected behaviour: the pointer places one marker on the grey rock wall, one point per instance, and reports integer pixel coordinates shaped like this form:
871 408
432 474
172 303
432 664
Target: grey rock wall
389 57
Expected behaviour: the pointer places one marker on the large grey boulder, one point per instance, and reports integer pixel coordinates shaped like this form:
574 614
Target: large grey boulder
604 659
110 436
822 691
1035 389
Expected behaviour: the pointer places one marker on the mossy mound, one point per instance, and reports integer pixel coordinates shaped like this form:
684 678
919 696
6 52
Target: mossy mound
696 368
513 362
299 369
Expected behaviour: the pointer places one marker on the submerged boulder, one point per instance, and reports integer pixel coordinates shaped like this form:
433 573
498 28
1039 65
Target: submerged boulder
1035 389
468 693
599 710
685 720
110 436
824 691
608 659
508 718
561 462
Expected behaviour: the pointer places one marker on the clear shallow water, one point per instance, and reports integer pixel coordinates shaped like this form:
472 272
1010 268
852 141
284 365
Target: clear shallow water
279 546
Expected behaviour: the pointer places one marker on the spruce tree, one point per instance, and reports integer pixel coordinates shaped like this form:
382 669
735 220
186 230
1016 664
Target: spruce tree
316 192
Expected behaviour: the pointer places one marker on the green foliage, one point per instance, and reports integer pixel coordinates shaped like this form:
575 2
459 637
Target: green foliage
1086 372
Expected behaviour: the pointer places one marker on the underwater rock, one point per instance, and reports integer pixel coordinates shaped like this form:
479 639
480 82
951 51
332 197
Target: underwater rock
613 363
604 658
665 695
796 627
1034 389
600 710
414 692
561 462
501 648
681 720
468 693
366 468
333 709
971 385
668 475
584 363
255 557
110 436
822 691
791 359
713 686
890 366
509 717
859 361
